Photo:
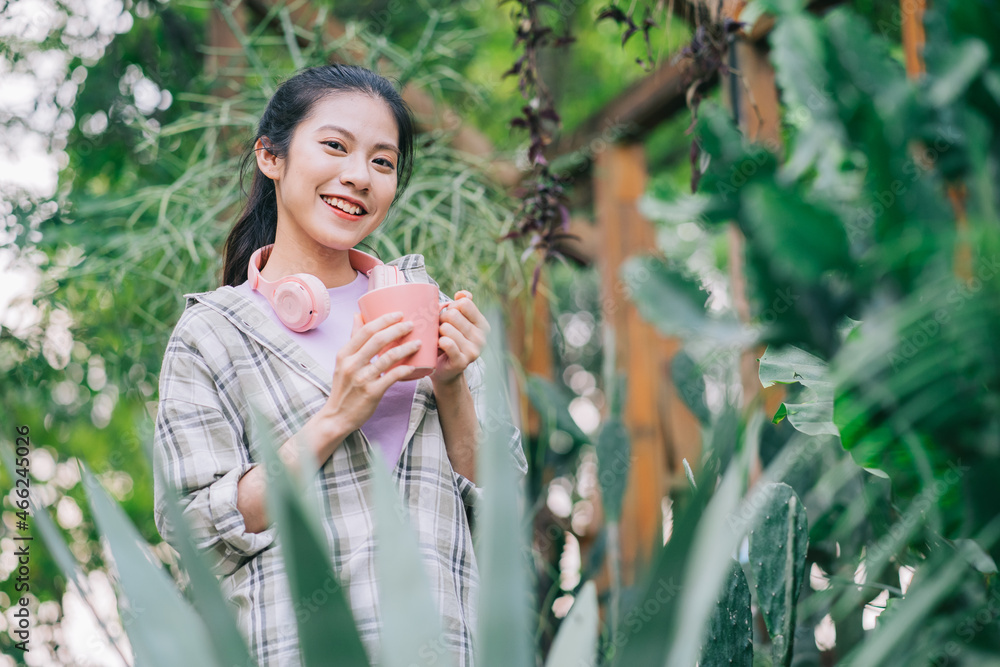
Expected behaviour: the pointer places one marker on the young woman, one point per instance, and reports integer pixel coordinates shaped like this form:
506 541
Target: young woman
333 150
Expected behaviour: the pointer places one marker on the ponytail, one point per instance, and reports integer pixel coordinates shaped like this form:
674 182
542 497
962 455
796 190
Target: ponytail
255 227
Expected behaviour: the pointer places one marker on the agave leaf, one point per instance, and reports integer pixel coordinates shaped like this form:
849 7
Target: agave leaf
575 644
729 641
411 623
689 380
328 628
614 451
778 559
909 616
229 644
666 625
504 607
707 565
154 614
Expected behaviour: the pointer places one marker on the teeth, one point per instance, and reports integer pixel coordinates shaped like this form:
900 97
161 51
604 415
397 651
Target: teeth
342 205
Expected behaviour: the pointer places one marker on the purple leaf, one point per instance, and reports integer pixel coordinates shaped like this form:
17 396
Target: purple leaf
695 166
628 33
730 26
613 13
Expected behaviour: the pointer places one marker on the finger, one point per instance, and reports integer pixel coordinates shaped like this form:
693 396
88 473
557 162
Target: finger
393 376
378 341
477 318
463 293
370 371
367 329
464 334
444 345
452 349
458 320
404 350
457 336
472 313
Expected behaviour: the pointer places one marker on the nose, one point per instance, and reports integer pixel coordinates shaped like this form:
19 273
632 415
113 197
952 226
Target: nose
355 171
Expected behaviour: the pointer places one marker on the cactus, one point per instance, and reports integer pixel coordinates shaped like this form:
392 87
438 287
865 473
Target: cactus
729 640
778 561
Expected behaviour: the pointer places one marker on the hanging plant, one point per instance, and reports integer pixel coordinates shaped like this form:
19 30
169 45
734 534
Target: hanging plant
543 215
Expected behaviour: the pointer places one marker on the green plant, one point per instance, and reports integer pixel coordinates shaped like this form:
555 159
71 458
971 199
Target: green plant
888 428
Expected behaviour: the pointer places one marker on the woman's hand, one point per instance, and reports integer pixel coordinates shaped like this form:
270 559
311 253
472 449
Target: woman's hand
359 384
462 332
357 388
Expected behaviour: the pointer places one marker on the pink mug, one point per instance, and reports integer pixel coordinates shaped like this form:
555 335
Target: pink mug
419 304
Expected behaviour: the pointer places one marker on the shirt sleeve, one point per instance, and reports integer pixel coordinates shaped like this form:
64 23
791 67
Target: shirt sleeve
198 451
489 421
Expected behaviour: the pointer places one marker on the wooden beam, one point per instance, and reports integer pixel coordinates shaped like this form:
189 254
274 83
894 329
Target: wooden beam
647 103
698 12
632 114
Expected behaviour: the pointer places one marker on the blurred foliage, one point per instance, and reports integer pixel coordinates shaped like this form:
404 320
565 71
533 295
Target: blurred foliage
875 296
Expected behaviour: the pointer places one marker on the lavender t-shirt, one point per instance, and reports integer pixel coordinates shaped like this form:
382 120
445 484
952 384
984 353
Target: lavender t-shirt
386 428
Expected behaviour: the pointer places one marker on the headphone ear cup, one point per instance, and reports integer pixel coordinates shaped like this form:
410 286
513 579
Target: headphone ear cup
301 302
319 297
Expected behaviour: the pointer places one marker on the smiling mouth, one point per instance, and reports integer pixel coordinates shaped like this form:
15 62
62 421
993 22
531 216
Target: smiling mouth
343 205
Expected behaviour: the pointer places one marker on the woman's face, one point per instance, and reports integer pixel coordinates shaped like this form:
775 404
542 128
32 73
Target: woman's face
336 182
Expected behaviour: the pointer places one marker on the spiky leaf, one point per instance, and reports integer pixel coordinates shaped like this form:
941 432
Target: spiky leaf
729 641
778 561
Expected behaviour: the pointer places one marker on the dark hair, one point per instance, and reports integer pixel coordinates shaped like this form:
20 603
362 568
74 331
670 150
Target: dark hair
290 105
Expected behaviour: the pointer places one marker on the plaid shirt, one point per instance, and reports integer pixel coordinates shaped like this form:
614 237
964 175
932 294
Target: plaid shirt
223 353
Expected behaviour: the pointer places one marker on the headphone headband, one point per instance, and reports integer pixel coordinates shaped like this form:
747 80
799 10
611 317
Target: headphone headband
301 300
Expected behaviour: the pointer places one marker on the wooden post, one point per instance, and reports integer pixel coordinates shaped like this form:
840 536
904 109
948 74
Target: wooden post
656 420
912 12
529 341
752 96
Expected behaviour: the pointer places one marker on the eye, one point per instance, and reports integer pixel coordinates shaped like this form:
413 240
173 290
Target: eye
335 145
384 162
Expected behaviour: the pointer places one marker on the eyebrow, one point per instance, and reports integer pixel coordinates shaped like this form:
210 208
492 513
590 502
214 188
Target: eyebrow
350 135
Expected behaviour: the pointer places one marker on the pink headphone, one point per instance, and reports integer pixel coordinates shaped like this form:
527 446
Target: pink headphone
300 300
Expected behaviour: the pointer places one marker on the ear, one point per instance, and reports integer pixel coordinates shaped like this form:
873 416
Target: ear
268 163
